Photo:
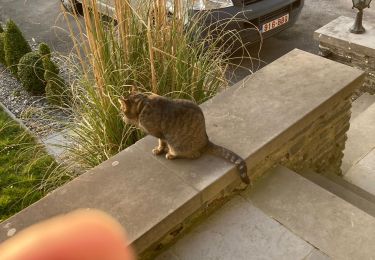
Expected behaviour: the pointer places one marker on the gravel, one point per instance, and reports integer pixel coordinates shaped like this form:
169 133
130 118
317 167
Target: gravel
34 111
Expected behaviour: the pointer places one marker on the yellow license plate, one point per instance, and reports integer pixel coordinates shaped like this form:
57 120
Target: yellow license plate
275 23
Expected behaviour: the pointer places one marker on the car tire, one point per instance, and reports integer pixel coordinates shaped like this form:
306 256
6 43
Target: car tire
72 6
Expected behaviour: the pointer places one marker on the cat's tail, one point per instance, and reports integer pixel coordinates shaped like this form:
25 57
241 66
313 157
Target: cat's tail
231 157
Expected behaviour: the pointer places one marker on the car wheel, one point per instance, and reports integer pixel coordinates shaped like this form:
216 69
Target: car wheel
72 6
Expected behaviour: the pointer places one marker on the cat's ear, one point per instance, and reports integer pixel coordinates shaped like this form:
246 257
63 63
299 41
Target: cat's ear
123 103
134 90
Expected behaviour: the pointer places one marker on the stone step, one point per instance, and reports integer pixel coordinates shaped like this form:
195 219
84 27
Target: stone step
361 104
343 189
361 138
329 223
362 173
240 231
285 216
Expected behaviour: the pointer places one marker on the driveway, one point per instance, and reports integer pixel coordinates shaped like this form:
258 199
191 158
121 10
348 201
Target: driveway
315 14
38 19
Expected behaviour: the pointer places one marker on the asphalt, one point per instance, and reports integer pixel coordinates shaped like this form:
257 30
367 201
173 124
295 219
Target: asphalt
315 14
43 21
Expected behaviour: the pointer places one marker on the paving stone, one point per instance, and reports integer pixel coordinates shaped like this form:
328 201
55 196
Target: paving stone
361 138
343 189
317 255
334 226
55 144
361 104
238 231
362 173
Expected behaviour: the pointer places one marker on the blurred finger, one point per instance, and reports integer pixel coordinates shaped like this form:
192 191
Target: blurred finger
81 235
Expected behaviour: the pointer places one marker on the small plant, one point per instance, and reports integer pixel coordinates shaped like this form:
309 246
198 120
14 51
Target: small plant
15 46
56 89
31 72
2 53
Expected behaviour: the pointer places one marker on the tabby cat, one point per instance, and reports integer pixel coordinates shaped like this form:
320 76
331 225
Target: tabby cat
180 126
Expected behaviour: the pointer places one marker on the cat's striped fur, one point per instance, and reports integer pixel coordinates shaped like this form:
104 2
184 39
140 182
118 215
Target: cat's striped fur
180 126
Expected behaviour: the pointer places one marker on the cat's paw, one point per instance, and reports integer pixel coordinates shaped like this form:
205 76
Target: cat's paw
157 151
170 156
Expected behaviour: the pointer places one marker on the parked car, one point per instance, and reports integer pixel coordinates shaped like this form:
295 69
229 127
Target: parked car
269 16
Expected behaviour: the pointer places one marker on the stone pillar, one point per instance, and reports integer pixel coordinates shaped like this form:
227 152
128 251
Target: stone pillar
356 50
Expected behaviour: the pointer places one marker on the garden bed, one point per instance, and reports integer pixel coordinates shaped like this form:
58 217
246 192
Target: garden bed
33 110
25 168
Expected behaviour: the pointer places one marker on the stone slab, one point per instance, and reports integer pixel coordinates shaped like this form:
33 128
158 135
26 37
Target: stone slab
55 144
332 225
362 174
139 195
204 174
361 138
361 104
337 33
238 231
317 255
275 103
343 189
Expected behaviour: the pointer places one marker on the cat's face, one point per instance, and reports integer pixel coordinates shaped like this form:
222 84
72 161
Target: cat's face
132 106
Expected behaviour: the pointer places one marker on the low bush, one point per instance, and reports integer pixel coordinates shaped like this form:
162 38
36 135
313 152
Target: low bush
15 46
56 89
2 54
57 92
44 50
31 72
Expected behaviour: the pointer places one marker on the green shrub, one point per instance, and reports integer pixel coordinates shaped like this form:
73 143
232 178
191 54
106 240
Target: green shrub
15 46
2 53
31 72
44 50
56 89
57 92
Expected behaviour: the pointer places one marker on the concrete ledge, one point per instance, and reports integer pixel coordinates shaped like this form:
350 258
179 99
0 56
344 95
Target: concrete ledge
154 198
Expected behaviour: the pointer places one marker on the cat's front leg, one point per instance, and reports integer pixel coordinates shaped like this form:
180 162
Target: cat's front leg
162 148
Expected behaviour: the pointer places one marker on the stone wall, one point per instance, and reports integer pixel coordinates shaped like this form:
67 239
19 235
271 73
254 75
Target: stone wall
354 59
319 146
